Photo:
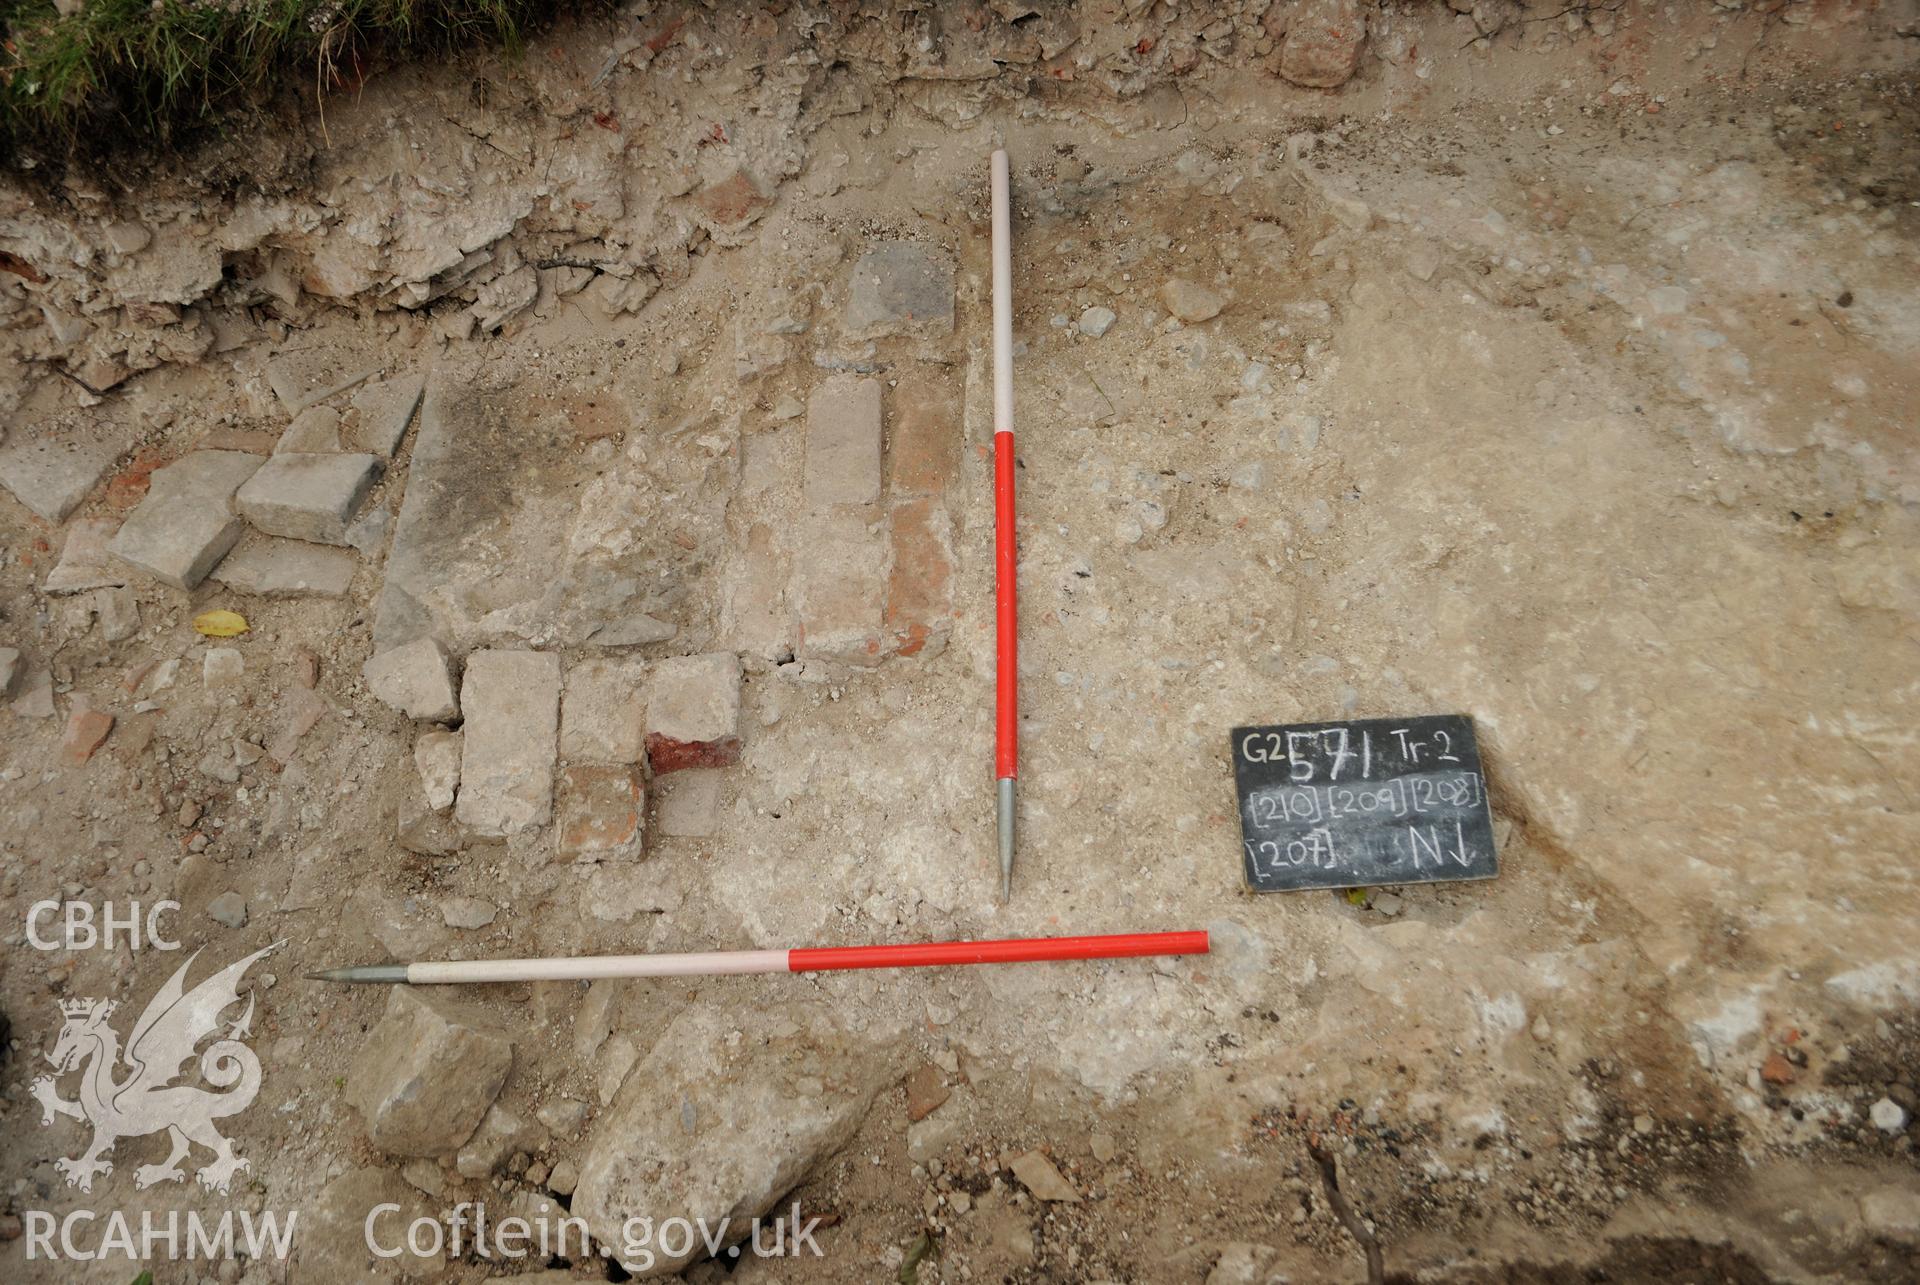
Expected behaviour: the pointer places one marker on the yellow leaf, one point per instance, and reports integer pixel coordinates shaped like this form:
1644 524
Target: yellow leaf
220 624
1356 896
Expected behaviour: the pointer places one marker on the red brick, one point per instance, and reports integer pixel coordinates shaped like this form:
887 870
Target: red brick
920 586
733 202
923 441
86 729
602 813
665 754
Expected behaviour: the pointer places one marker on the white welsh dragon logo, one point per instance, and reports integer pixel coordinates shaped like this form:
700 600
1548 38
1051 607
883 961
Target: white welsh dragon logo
147 1100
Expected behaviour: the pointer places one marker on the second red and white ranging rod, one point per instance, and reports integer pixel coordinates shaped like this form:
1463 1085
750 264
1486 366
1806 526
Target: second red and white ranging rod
815 959
1006 746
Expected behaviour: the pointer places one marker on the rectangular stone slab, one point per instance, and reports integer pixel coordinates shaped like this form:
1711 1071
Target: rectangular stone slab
511 700
187 523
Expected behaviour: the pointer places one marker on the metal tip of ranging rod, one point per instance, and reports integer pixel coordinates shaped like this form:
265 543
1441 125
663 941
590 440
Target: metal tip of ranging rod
362 973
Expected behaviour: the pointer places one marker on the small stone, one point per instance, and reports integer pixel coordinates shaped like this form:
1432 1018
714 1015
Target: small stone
900 287
186 523
86 559
499 1134
299 709
1776 1070
229 908
931 1138
693 713
602 810
1097 321
1643 1124
436 755
1190 301
1039 1176
1423 260
9 670
272 568
1542 1032
843 442
87 728
467 912
315 430
427 1074
118 612
1103 1147
1668 301
33 694
1888 1116
308 496
734 202
788 407
1242 1263
1893 1212
926 1092
223 667
1324 40
511 701
564 1178
415 679
687 804
380 413
1388 903
563 1115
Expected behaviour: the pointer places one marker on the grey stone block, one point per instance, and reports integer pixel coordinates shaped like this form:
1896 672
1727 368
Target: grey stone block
308 496
186 524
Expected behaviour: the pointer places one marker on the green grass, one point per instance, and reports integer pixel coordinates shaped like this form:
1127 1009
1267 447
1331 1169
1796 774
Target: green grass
144 71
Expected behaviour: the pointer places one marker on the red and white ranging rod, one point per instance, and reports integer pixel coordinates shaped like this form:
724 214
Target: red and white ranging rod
813 959
1006 750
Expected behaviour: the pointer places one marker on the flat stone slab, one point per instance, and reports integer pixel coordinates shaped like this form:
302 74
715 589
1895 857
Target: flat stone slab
187 523
843 442
900 288
308 496
51 469
273 568
498 543
378 415
310 376
511 700
86 559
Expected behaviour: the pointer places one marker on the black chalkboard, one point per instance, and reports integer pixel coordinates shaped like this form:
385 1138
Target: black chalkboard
1364 802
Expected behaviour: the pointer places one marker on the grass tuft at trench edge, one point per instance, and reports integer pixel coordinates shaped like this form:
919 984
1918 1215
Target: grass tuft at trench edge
111 74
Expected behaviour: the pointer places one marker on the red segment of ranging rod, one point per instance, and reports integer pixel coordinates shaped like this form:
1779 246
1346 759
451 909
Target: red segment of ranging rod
1018 950
1006 744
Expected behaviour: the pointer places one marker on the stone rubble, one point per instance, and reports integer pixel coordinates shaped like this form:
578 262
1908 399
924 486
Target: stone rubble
427 1074
416 679
668 1146
436 755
